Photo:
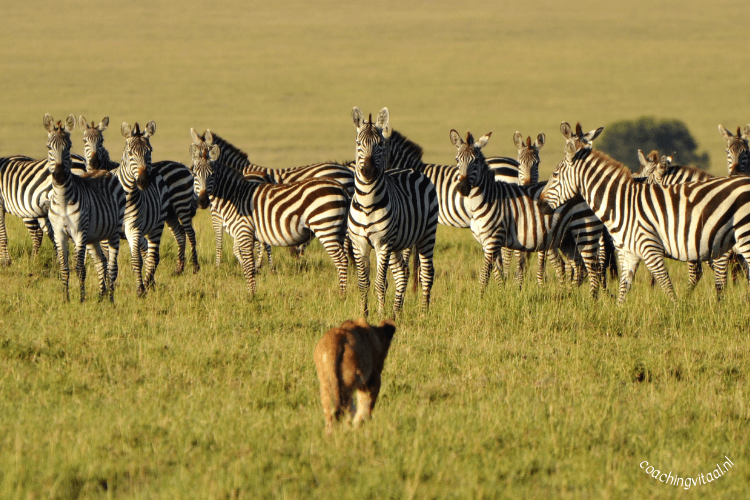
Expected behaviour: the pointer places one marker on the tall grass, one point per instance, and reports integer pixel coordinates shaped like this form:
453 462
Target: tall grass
199 391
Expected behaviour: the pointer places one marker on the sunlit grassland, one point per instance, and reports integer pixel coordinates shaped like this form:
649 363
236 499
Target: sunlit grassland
199 391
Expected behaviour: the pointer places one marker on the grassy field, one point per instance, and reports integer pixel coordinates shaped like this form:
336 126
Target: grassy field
197 391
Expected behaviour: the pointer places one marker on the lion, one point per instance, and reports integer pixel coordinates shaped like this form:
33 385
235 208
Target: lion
350 358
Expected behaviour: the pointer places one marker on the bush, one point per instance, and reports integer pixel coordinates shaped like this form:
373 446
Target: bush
622 140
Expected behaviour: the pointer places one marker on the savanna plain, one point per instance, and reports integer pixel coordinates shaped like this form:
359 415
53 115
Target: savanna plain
199 391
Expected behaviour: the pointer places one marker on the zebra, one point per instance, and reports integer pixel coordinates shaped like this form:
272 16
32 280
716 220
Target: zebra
179 180
25 185
233 157
391 211
657 170
738 152
146 202
507 215
694 222
276 214
87 209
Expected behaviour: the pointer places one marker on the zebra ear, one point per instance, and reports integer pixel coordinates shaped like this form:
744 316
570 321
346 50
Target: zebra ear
214 152
383 122
653 156
208 136
570 148
83 123
726 134
103 124
518 140
70 123
127 132
641 158
456 138
540 140
358 117
482 142
150 129
746 131
193 150
49 122
565 130
666 161
590 136
194 135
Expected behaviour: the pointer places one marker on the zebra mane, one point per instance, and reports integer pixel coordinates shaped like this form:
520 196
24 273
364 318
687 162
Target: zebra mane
95 174
230 150
408 153
600 158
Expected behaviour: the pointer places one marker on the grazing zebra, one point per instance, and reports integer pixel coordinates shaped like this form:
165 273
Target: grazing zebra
25 184
87 210
391 211
276 214
233 157
507 215
179 180
693 222
738 152
146 202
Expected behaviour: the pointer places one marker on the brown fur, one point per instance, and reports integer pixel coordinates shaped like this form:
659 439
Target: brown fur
350 358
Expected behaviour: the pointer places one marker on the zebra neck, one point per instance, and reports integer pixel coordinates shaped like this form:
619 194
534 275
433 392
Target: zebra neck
486 190
63 190
105 162
609 193
127 181
369 193
230 185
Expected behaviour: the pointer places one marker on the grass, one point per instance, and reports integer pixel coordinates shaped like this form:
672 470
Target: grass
198 391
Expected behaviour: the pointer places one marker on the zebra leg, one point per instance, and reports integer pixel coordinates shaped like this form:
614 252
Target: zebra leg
218 226
541 266
100 264
62 257
258 249
401 280
404 261
655 262
153 257
112 269
190 232
179 235
590 259
502 273
362 261
4 255
484 275
382 257
628 266
335 249
520 267
426 274
720 274
247 260
36 233
695 272
80 251
554 256
136 260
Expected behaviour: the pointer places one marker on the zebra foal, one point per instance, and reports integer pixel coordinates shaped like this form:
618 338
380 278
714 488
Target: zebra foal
693 222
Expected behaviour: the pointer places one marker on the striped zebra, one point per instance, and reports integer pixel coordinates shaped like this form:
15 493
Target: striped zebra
146 202
693 222
391 211
86 209
25 184
738 152
179 180
233 157
276 214
507 215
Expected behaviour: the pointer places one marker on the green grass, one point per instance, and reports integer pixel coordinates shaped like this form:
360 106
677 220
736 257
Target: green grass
197 391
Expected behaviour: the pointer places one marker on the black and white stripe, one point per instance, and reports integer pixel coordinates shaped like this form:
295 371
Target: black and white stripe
86 210
275 214
391 211
693 222
507 215
177 176
146 202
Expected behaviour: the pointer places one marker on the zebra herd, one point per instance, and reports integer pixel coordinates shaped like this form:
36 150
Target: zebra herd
387 200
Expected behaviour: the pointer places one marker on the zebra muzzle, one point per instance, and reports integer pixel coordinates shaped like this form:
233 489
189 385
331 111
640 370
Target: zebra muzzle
203 200
143 181
464 187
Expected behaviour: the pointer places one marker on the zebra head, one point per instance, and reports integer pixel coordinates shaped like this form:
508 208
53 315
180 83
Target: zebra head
738 152
372 144
528 158
563 185
93 142
136 157
203 153
470 160
653 168
58 146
